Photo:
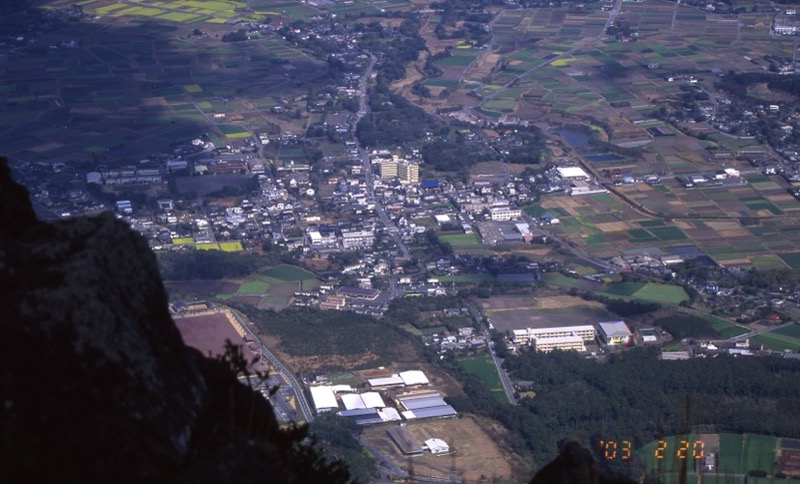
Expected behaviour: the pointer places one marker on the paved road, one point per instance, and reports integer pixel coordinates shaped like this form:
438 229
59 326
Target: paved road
758 332
498 363
369 176
300 397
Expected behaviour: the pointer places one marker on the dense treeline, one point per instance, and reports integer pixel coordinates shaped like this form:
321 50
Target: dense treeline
737 82
637 397
682 326
313 332
408 310
393 120
748 281
445 155
336 437
189 265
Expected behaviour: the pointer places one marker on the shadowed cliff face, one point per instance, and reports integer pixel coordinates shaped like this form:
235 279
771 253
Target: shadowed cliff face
95 381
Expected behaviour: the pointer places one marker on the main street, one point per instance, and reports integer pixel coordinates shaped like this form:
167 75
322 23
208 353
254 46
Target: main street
369 176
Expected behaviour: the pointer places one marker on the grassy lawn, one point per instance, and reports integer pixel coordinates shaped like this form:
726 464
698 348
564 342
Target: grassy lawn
482 366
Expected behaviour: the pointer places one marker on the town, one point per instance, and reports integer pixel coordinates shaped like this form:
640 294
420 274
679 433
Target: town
420 216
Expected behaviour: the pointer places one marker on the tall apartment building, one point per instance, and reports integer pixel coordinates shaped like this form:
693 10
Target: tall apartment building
408 171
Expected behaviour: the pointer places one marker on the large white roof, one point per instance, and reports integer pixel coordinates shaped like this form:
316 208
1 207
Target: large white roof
414 377
352 401
572 172
323 398
389 414
372 400
386 381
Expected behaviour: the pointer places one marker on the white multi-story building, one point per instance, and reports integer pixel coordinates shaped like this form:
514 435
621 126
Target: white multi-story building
504 213
357 239
561 337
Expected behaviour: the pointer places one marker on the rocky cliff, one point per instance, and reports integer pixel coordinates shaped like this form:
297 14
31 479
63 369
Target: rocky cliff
96 382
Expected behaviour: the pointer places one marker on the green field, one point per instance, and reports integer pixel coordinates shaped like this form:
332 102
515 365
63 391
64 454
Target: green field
792 331
792 259
669 453
287 273
183 240
776 341
730 453
253 287
482 366
461 241
725 328
231 246
661 293
759 453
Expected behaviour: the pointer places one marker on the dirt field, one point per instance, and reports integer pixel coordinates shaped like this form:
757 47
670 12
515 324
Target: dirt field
350 362
508 313
208 334
476 454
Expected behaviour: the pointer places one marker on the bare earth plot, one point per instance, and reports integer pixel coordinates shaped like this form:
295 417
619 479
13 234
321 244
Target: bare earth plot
476 454
508 313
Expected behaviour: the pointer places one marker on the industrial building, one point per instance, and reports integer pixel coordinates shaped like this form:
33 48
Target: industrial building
406 442
615 333
573 173
324 398
362 400
404 378
424 405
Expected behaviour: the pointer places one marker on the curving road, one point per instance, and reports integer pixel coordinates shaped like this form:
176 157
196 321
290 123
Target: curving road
300 397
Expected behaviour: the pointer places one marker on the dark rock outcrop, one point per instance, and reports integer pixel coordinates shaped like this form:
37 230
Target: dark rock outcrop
96 383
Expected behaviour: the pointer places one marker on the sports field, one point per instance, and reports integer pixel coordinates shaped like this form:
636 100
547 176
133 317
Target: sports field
482 366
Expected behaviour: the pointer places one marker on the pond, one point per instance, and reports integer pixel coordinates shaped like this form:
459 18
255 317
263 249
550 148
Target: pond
575 137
